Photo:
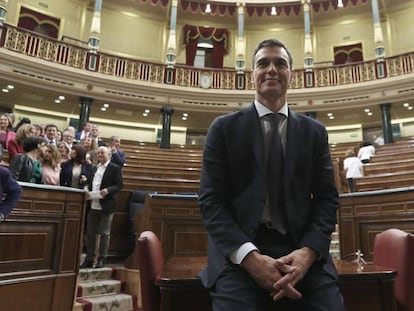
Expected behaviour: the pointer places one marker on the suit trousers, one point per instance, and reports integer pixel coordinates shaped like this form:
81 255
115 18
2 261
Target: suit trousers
98 223
236 290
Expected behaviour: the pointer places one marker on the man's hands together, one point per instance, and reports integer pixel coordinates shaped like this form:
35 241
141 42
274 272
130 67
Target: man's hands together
280 276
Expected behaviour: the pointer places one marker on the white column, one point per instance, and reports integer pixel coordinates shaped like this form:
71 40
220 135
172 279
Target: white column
3 11
308 52
93 42
172 41
240 46
378 37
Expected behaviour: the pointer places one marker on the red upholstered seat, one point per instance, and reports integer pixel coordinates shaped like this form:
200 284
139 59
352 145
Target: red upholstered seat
151 262
394 249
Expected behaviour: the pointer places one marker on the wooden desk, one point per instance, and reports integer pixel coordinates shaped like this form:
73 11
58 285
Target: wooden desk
371 288
181 288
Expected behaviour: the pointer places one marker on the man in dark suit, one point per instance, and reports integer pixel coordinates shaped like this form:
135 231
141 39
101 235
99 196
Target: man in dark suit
105 183
268 201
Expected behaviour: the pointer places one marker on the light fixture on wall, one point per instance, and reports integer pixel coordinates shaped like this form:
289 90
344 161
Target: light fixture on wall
340 4
273 12
208 8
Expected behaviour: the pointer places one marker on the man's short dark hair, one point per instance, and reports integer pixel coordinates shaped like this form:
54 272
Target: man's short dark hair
51 125
271 43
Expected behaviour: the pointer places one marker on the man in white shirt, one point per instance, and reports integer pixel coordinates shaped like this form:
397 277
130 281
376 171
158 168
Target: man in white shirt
105 182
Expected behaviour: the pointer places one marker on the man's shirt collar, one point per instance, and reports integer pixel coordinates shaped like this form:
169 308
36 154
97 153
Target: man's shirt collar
263 110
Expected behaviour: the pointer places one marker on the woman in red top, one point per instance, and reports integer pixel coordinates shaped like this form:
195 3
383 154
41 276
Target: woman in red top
16 145
6 133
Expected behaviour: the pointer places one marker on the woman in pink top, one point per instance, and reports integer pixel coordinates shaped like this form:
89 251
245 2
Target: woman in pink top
51 166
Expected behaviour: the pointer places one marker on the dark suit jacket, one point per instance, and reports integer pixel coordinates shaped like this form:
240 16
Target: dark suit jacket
233 189
118 158
11 189
66 173
112 180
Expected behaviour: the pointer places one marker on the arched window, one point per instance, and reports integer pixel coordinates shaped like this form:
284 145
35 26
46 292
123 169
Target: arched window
348 54
219 38
38 22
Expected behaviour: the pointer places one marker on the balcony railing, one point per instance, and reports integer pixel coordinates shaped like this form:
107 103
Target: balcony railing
61 52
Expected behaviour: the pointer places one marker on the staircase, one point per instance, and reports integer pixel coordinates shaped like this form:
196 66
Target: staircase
102 290
334 248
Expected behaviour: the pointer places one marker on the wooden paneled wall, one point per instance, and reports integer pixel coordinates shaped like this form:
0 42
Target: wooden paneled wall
364 214
40 245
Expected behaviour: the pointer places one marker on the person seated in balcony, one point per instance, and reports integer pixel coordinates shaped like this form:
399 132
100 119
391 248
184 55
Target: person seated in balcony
27 166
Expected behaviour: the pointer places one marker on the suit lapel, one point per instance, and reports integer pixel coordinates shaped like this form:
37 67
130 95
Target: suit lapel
253 132
294 134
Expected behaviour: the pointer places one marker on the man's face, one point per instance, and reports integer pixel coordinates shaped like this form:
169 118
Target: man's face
87 127
68 137
95 132
271 72
51 132
103 155
116 142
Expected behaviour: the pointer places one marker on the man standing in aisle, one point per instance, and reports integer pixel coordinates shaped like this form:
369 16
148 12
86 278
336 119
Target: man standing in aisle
268 201
105 183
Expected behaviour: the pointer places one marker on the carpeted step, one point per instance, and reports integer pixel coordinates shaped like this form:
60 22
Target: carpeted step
87 275
119 302
100 287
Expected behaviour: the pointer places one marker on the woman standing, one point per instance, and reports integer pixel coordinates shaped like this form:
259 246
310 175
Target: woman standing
6 133
91 150
75 172
27 166
16 144
51 166
64 151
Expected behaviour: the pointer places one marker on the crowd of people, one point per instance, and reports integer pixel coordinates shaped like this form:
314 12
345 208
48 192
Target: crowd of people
46 155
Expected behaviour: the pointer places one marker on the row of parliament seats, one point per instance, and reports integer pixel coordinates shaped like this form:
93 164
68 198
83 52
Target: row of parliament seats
391 167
